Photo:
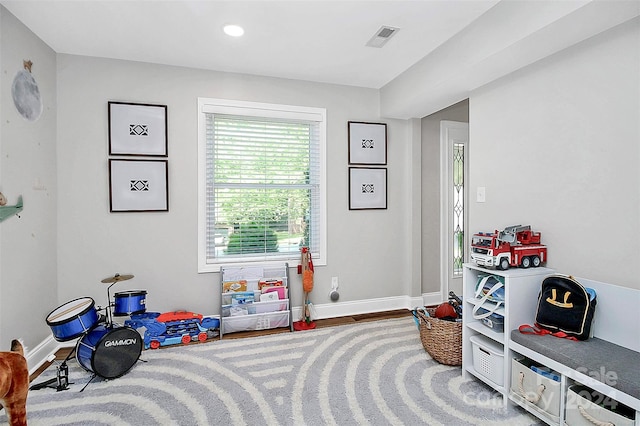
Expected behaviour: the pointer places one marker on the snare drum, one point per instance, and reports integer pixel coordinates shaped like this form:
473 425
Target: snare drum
130 302
109 351
73 319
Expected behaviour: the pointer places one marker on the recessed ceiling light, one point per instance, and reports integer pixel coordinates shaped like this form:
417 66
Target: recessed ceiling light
233 30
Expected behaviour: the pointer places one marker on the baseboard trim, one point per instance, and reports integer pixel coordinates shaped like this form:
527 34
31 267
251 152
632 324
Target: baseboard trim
430 299
42 353
359 307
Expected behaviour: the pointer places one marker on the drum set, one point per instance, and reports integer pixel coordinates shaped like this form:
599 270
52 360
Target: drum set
104 348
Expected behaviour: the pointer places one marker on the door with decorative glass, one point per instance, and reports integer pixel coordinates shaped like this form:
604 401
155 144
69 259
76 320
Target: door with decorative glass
454 138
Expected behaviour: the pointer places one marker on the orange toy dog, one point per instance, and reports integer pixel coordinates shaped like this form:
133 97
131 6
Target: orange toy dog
14 384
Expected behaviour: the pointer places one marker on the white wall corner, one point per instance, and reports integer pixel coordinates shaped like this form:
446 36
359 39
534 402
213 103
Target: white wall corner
431 299
415 222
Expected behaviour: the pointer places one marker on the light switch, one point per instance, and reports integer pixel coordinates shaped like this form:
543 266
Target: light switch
481 194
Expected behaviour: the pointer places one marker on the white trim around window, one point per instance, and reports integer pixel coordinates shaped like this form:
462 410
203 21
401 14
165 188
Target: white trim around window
208 106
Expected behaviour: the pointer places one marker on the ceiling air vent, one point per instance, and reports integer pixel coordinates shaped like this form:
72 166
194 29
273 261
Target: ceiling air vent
382 36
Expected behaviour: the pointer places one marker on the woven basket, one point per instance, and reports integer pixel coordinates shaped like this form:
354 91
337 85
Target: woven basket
441 339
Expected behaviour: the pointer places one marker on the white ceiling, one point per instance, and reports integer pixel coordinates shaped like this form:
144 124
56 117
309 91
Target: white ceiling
444 49
298 39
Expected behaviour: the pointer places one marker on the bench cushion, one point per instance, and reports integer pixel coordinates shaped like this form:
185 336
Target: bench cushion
611 364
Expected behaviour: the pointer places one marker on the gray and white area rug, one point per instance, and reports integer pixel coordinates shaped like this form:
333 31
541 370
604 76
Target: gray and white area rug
372 373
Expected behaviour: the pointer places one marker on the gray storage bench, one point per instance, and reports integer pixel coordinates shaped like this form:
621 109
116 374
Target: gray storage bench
608 362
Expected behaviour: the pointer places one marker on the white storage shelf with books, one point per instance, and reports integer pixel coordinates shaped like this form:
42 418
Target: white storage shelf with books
254 298
485 350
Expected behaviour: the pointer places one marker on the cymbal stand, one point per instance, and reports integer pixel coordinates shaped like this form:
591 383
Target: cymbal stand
93 376
109 314
61 381
112 280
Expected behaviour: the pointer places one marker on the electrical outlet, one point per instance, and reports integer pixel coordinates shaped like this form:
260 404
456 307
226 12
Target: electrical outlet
334 283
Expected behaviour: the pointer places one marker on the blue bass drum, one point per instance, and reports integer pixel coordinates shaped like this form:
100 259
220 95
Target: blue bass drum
73 319
109 352
130 302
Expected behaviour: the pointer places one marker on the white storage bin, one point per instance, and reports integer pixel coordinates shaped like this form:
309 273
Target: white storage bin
255 322
584 404
538 391
487 358
269 306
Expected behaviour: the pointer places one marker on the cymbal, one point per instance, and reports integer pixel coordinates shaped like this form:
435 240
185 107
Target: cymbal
116 278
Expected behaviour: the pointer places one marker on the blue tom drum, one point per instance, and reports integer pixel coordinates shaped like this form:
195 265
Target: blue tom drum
73 319
130 302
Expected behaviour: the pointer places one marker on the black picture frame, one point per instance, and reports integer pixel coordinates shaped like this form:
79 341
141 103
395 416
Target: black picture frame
367 188
367 143
138 185
137 129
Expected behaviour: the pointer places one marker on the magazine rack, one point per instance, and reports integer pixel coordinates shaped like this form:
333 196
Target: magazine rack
254 297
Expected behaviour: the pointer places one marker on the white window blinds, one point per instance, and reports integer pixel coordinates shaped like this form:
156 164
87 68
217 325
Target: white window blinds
262 187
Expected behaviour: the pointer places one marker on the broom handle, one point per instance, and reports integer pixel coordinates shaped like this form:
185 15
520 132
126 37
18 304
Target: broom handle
304 307
305 260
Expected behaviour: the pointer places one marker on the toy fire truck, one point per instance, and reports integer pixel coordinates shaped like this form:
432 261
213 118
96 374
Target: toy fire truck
514 246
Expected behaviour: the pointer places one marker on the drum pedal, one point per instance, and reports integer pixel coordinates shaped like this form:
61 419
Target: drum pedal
60 382
62 377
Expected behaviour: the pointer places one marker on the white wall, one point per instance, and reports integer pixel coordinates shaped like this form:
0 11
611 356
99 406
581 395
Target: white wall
557 146
367 250
28 258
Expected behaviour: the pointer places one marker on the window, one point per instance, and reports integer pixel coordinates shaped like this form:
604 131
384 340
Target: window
458 208
261 182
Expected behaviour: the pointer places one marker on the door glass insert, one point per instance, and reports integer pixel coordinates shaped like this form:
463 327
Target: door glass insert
458 208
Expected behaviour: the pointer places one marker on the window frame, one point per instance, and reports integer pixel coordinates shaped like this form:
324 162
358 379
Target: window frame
262 110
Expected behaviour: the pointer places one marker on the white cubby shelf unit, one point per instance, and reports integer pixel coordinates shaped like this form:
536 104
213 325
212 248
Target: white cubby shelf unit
521 288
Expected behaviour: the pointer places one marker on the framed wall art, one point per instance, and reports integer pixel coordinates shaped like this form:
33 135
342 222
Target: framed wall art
367 143
137 129
138 186
367 188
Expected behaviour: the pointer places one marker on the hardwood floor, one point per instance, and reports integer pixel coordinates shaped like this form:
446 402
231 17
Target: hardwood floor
329 322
